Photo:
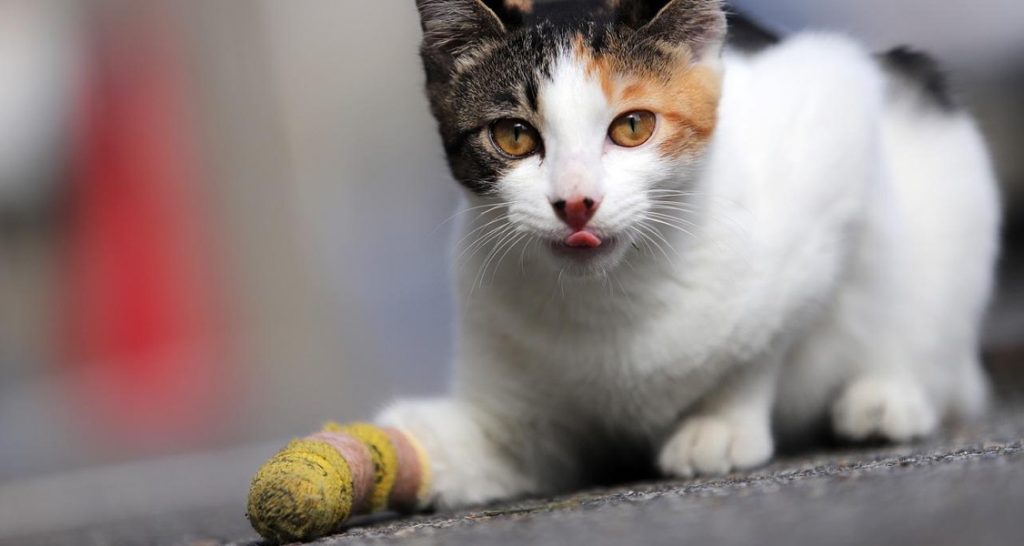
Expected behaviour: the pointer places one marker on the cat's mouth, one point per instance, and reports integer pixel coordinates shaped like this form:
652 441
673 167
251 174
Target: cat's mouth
583 239
583 244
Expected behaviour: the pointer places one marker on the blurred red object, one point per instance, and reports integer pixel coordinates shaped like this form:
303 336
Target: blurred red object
144 310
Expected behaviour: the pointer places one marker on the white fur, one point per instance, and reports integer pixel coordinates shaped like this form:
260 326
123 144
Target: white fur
838 258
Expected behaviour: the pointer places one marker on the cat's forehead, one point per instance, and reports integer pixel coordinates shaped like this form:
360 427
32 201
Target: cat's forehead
514 69
540 31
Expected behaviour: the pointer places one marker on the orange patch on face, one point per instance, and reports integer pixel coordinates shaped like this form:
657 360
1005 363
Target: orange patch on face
684 95
685 100
689 107
633 92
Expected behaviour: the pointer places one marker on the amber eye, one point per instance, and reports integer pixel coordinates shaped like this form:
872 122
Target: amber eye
515 137
632 129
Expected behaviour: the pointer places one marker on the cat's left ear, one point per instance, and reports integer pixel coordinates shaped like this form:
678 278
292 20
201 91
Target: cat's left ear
453 27
698 24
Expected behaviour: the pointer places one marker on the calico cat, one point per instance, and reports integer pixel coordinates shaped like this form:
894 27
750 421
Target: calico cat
677 253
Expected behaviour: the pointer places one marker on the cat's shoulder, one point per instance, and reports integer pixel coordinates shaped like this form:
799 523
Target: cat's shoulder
808 71
815 53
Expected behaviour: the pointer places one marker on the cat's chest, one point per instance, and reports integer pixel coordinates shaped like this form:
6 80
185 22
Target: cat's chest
659 331
639 371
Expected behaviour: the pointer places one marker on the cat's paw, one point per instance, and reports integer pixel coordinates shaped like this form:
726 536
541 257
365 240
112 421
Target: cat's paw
716 445
888 409
467 468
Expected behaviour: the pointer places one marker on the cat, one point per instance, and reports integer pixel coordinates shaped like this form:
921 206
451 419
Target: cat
677 253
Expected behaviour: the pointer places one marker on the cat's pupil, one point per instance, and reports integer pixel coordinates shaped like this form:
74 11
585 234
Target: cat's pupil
632 123
517 131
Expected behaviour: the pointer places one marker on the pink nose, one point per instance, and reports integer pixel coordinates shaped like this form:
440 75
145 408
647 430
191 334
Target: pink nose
577 211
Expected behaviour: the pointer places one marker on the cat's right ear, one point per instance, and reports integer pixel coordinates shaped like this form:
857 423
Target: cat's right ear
699 24
453 27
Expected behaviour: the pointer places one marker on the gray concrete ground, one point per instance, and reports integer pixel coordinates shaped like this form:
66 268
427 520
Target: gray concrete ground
963 487
972 495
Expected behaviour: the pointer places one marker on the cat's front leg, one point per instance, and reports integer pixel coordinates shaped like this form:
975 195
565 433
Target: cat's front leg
729 430
467 465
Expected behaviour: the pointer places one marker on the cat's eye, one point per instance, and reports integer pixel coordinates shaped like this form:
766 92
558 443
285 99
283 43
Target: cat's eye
632 128
515 137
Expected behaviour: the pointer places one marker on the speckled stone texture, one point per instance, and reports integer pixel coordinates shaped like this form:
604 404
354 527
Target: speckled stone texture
965 488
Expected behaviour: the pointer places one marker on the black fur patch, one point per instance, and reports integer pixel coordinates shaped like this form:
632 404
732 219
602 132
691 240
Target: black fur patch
568 12
920 70
748 36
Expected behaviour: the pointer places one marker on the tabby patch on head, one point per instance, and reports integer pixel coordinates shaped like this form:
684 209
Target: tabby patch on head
573 111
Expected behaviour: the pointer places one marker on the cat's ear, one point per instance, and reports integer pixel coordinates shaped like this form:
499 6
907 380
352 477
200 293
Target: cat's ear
698 24
453 27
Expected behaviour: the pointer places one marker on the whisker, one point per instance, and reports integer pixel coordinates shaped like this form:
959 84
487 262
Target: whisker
647 229
673 226
501 250
490 207
725 219
495 233
502 218
658 234
507 243
478 228
522 256
668 191
479 279
640 238
673 204
622 289
671 218
511 246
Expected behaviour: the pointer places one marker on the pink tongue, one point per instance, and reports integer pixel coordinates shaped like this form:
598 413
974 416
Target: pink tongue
583 239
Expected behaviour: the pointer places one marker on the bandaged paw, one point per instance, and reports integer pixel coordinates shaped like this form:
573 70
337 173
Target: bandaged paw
315 484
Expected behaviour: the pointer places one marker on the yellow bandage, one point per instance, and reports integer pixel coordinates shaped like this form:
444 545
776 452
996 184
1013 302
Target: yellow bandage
311 487
303 492
385 461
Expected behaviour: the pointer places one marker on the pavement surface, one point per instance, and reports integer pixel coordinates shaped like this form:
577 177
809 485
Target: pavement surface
965 486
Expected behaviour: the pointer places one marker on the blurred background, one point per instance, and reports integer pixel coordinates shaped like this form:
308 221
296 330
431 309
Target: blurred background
222 223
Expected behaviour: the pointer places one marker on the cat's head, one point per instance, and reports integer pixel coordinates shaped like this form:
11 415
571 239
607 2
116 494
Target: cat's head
583 116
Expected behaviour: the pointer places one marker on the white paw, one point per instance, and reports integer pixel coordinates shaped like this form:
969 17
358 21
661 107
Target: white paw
467 468
716 445
889 409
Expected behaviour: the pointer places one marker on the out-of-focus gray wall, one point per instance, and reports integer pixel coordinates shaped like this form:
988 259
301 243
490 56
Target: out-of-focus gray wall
373 186
320 123
326 188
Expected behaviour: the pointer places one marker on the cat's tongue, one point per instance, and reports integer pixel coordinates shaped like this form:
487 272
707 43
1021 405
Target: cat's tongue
583 239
